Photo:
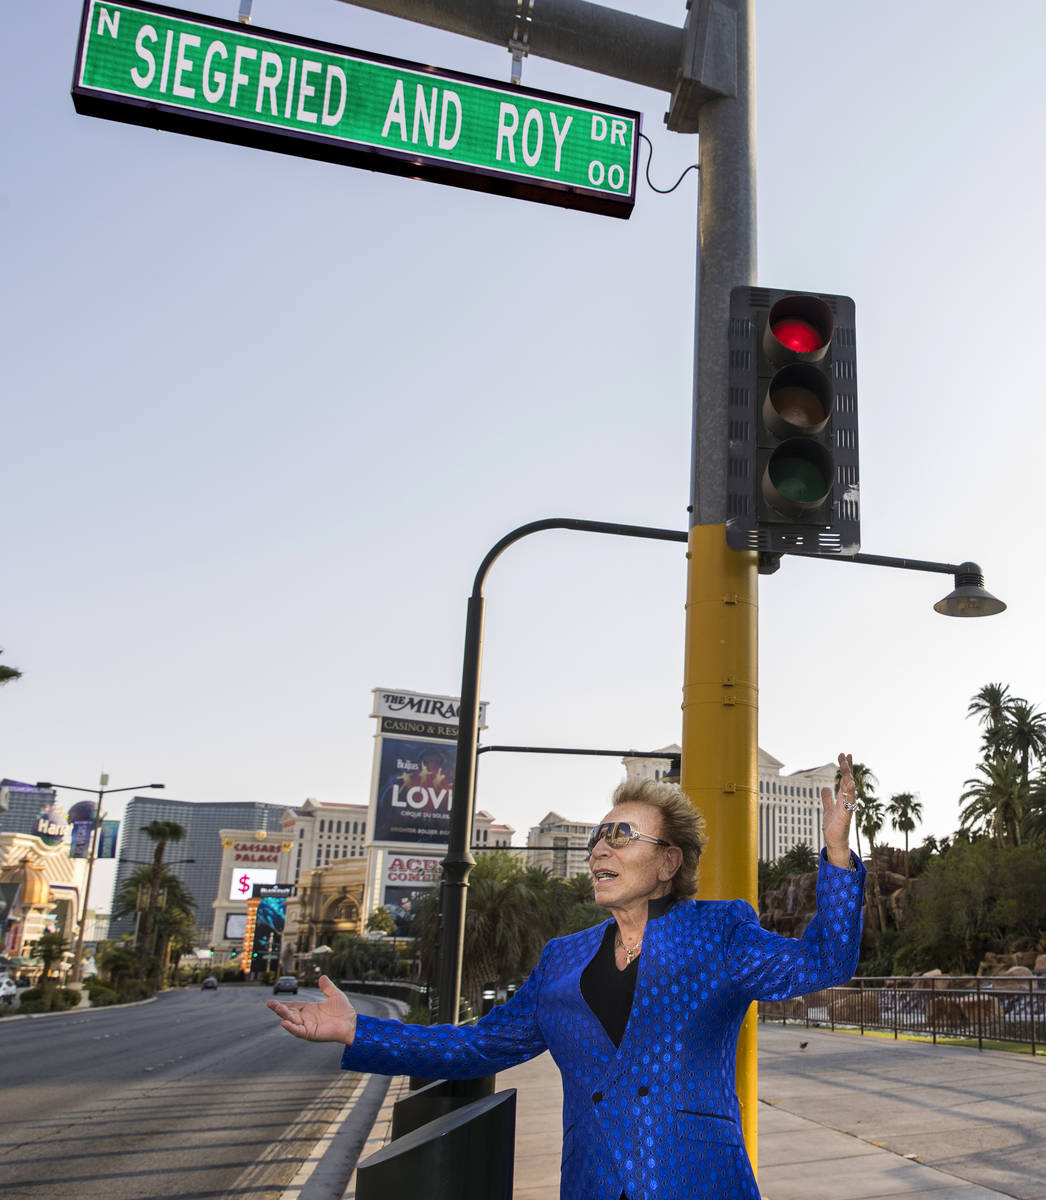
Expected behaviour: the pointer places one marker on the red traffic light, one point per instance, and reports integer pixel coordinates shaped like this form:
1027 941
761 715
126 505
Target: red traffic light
797 334
792 471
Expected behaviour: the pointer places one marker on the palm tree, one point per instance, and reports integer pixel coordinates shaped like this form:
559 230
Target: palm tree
178 902
905 812
870 819
865 784
1023 734
512 911
990 706
48 948
160 833
996 802
9 673
1035 817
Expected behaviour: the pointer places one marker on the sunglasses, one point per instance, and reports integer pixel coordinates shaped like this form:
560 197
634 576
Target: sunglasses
617 835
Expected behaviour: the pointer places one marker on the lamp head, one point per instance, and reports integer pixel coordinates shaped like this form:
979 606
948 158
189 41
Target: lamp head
969 598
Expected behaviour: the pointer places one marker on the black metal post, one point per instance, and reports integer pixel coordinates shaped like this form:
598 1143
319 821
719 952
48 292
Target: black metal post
459 861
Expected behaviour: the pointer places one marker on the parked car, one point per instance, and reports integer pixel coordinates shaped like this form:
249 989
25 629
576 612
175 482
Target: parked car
286 983
209 984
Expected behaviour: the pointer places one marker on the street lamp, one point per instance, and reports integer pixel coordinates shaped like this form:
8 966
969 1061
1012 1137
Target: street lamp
969 599
101 793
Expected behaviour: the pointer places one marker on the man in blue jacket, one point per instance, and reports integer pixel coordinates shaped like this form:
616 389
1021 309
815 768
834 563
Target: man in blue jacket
641 1013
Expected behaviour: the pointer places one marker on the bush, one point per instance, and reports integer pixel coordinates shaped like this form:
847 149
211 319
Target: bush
41 1000
131 990
101 995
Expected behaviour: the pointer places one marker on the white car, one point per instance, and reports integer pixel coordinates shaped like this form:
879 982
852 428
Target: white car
8 991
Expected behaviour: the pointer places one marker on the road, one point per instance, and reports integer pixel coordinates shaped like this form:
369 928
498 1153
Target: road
194 1095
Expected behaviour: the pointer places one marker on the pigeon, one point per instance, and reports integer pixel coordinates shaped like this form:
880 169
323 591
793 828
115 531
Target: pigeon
803 1045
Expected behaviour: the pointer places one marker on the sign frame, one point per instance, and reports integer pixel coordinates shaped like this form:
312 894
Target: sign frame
175 118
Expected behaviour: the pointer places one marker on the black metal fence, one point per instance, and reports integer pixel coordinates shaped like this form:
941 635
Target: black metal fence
965 1007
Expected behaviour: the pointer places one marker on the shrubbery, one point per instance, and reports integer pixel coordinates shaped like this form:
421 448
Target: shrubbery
43 999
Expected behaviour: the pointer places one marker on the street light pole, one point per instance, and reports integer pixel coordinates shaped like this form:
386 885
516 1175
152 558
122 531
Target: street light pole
459 861
101 793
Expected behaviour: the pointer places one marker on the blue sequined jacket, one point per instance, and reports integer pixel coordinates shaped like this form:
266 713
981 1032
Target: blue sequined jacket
656 1117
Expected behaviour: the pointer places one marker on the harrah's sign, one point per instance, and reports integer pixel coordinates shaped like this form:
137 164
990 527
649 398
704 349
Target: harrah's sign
441 710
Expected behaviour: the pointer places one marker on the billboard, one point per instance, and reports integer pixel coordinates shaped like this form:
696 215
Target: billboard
413 792
235 926
269 905
80 840
51 826
241 887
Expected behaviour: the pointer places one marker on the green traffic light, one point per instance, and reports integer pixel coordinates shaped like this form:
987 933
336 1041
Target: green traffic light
798 479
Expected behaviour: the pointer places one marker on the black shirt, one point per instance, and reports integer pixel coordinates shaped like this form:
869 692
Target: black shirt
609 992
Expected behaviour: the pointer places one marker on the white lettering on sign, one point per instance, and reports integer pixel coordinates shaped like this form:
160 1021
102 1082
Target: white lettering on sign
305 90
532 134
238 74
328 115
508 123
108 22
268 80
532 120
183 67
418 797
143 80
424 122
165 70
213 81
559 135
250 73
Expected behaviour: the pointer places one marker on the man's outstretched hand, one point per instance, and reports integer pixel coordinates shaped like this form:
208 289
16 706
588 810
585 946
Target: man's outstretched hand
332 1019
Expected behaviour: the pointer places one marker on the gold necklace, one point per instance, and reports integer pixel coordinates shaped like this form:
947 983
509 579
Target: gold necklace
630 951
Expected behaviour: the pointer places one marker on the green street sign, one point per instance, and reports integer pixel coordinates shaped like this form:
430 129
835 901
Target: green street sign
154 66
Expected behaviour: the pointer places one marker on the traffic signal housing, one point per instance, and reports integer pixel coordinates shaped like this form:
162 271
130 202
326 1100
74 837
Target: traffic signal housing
792 466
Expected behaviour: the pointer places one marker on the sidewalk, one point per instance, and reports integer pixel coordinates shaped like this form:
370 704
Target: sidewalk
852 1118
843 1117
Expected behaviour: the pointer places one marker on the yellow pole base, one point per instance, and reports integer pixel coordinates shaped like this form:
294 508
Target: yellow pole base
720 768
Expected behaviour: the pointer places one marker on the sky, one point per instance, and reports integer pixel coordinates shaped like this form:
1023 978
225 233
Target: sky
263 418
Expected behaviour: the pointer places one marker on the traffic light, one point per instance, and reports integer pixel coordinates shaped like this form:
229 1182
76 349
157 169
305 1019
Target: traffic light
792 469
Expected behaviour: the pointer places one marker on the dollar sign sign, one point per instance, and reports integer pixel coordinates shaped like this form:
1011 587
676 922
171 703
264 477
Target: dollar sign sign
244 883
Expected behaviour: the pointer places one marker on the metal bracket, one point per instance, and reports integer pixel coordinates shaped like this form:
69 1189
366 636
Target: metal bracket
245 11
708 70
519 42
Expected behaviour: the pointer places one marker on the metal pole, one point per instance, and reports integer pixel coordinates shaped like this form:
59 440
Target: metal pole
575 32
720 684
101 793
92 852
459 861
